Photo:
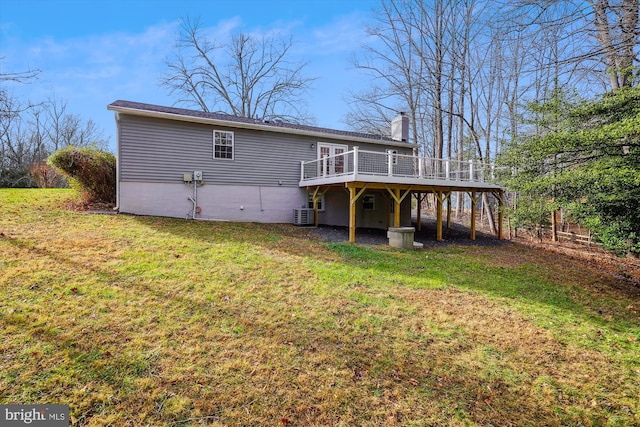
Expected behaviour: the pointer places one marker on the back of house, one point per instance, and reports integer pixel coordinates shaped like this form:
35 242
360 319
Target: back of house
191 164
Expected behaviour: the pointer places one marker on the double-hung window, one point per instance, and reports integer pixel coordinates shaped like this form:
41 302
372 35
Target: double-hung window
222 144
369 202
320 202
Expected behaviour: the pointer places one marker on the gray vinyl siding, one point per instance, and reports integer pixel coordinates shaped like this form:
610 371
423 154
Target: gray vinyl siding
158 150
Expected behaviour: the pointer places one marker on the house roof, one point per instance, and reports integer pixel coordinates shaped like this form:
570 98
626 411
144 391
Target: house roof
219 119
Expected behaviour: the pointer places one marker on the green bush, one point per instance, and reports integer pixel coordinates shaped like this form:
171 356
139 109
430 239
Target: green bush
16 178
620 238
91 171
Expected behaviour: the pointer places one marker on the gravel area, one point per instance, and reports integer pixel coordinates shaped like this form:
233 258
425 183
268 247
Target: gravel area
457 234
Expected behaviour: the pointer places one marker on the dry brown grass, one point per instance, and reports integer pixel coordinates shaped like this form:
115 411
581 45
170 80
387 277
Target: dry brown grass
155 321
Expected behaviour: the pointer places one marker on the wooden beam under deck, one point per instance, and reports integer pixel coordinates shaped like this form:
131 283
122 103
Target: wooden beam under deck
441 197
474 202
354 194
395 194
352 214
398 192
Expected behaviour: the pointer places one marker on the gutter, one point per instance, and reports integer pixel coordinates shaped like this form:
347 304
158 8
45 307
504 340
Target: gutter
255 126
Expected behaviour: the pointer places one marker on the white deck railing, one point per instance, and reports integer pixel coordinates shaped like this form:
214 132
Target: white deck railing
375 163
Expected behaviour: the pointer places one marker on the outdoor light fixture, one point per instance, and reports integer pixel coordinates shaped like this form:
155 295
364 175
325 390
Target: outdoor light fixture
313 145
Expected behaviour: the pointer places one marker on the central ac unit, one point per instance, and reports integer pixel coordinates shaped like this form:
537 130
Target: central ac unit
303 216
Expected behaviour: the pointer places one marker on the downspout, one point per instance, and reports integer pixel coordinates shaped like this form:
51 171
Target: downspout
117 118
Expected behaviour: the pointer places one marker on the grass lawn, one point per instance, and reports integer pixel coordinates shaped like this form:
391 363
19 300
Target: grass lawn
158 321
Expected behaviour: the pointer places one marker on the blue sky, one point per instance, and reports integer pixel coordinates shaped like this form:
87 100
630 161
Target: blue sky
93 52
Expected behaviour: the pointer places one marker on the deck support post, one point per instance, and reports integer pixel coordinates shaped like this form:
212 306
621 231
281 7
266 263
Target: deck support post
439 216
315 212
474 202
354 195
441 197
473 215
316 198
395 195
449 210
352 214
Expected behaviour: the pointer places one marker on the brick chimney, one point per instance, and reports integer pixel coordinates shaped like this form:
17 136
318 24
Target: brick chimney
400 128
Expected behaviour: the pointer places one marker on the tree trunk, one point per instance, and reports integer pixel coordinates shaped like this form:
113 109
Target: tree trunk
489 213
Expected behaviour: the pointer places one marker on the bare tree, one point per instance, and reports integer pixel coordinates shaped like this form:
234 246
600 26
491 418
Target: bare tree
597 40
476 63
434 17
15 149
397 77
61 129
248 76
616 29
371 111
30 133
400 61
19 76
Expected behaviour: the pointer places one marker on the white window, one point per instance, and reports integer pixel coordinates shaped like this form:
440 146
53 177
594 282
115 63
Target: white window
369 202
222 144
320 202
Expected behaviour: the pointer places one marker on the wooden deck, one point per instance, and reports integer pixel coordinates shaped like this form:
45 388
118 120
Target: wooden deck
401 176
392 168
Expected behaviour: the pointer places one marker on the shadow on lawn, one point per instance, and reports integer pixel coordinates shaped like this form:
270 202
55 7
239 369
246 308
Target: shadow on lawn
448 262
450 265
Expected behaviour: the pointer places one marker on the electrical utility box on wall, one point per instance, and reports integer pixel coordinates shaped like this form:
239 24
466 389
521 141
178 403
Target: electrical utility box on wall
197 175
187 177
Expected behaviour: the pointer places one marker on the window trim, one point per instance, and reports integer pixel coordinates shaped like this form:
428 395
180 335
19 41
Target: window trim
331 166
321 203
233 144
332 146
372 202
